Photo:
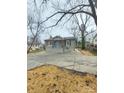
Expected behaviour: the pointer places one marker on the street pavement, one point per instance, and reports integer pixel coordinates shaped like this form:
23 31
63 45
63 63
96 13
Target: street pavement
71 59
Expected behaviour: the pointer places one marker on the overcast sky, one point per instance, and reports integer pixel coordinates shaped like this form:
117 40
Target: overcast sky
48 10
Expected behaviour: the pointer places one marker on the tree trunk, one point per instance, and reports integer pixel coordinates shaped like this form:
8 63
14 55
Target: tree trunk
35 36
83 41
93 11
31 45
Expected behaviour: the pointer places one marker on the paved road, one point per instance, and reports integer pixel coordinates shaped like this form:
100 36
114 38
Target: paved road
69 59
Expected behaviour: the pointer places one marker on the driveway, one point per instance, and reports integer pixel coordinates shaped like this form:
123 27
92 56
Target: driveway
69 59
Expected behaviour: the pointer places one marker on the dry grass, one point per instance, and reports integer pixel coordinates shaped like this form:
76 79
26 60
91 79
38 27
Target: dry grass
53 79
88 53
36 51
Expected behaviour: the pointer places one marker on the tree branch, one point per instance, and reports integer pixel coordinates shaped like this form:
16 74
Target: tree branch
68 12
68 19
89 33
57 21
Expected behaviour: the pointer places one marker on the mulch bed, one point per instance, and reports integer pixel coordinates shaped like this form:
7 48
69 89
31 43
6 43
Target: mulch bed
54 79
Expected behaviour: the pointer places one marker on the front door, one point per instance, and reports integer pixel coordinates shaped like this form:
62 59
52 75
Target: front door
57 44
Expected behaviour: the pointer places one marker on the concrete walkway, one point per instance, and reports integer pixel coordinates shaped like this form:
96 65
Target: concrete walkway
69 59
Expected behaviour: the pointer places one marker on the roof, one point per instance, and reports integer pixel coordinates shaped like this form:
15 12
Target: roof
69 38
61 38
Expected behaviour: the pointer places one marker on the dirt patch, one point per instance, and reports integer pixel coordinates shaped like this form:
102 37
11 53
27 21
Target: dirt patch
53 79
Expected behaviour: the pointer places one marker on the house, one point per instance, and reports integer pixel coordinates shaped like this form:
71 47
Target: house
61 42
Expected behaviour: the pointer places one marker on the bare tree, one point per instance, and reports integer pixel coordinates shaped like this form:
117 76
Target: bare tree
83 28
34 38
76 9
33 24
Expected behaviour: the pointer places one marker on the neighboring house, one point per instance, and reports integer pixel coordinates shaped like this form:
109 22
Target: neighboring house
61 42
